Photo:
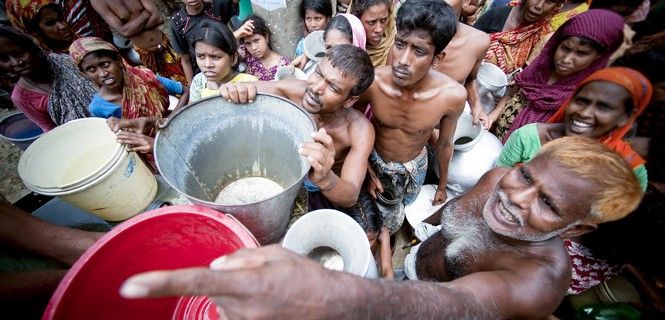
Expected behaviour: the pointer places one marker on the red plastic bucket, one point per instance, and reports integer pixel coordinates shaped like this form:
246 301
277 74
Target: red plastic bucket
167 238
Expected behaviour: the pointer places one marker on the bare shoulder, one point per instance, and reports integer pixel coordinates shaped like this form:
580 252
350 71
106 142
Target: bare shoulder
360 128
451 92
481 40
542 271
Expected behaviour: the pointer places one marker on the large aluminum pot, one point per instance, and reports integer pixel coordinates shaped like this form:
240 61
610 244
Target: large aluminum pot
475 152
210 143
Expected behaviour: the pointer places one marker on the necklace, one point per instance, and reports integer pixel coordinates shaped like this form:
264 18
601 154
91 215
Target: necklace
36 86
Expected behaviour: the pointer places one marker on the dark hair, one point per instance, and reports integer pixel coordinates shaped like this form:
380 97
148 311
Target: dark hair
21 39
342 24
434 16
24 41
323 7
360 6
353 61
217 35
260 27
33 25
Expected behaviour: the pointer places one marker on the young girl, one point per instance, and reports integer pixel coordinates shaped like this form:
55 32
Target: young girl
216 54
255 51
315 15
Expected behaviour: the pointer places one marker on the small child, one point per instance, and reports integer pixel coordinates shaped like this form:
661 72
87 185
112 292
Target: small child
315 15
255 51
216 54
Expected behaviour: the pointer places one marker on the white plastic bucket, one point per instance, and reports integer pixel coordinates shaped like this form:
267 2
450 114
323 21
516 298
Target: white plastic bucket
82 163
327 228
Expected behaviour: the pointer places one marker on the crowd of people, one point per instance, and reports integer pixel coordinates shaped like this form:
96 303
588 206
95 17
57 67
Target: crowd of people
582 99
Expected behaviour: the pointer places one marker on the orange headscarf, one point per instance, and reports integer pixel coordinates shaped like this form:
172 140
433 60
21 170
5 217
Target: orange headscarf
640 90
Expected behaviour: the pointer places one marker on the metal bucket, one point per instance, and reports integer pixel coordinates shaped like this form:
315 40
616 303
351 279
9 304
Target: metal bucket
210 143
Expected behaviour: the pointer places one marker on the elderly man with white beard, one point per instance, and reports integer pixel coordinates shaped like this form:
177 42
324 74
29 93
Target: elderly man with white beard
499 254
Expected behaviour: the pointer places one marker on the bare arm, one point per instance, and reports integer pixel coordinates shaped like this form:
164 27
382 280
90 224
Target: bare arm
346 189
128 17
259 283
22 231
444 146
501 105
187 67
245 92
184 98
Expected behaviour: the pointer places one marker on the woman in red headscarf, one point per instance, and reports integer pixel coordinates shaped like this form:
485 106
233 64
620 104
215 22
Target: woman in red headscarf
604 106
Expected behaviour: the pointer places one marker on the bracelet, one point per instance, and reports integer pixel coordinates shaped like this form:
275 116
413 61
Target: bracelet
332 184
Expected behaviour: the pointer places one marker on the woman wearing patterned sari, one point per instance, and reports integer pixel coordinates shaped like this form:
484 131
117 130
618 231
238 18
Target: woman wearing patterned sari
517 31
124 91
43 20
50 91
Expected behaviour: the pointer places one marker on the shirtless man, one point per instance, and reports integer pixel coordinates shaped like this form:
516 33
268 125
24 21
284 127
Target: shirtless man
463 56
408 101
342 145
513 263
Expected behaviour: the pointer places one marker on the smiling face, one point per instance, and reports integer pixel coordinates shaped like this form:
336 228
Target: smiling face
328 89
53 26
572 56
412 57
375 20
215 64
538 201
104 71
536 10
315 21
596 109
257 45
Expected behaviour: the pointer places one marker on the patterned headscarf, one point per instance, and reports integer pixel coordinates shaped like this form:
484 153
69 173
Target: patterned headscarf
601 26
640 90
510 50
143 95
83 46
21 14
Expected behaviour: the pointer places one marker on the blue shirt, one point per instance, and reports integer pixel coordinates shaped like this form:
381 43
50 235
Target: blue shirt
102 108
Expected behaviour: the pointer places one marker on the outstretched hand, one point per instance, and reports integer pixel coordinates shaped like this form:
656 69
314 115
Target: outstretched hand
264 283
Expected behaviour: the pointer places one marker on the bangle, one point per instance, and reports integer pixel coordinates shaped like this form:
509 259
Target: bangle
333 181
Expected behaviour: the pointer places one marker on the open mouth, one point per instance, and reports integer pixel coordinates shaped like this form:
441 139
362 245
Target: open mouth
580 127
108 81
311 100
507 215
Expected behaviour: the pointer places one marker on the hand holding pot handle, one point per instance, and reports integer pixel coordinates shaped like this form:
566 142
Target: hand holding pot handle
321 156
238 93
